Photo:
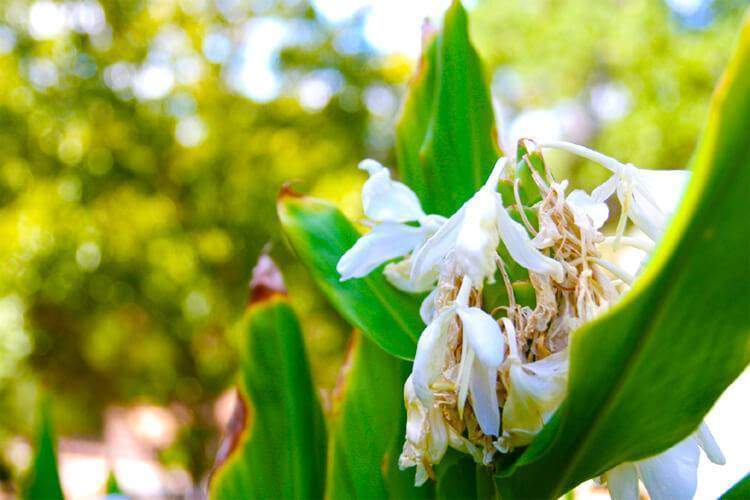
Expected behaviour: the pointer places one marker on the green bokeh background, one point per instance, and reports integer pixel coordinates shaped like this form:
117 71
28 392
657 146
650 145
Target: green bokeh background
125 253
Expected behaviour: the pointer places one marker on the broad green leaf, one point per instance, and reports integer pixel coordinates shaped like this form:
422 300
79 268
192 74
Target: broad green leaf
320 234
445 138
44 481
368 427
643 376
740 491
276 446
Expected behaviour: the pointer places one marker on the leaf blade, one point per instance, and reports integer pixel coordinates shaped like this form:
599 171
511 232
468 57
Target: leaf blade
458 148
366 435
319 235
44 481
282 453
618 378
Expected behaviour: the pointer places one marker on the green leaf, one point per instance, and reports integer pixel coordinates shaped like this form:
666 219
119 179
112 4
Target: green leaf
643 376
368 427
112 487
413 124
276 446
445 138
320 234
456 477
44 481
740 491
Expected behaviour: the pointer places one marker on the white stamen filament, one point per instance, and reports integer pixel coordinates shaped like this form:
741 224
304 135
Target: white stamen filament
510 331
644 244
616 270
605 161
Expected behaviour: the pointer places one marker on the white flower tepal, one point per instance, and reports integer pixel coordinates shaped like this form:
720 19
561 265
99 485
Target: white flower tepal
483 353
535 390
671 475
384 199
647 197
469 239
389 204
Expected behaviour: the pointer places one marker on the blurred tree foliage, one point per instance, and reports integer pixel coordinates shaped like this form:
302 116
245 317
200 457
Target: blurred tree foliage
631 78
138 169
130 220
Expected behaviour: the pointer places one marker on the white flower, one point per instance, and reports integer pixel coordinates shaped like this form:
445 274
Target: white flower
648 197
471 236
535 390
482 354
426 435
390 204
589 214
671 475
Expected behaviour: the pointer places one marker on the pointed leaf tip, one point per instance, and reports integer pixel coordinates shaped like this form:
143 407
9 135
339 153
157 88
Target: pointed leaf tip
429 31
266 281
287 191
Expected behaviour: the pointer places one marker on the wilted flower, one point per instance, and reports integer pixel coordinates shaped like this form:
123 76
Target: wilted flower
426 435
482 352
488 381
535 390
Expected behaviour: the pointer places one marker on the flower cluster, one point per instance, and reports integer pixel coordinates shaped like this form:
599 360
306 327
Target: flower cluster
486 381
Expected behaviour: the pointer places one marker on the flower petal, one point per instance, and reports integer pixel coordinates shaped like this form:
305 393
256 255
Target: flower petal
656 194
604 190
672 475
587 207
662 187
437 439
427 308
415 413
478 237
384 199
398 274
483 335
622 482
534 393
384 242
437 247
646 216
706 441
430 356
483 389
519 246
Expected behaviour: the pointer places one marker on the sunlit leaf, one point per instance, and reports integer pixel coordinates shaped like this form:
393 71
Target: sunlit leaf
445 138
275 446
320 234
643 376
740 491
368 427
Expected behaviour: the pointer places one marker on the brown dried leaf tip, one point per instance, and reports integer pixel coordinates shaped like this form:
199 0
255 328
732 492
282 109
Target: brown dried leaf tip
235 426
266 281
287 191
